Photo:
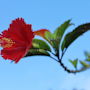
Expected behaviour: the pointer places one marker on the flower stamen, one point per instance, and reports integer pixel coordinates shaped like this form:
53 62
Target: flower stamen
6 42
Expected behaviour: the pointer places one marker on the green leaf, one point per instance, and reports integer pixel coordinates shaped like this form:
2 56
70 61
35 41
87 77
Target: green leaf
55 38
50 38
36 52
72 36
84 64
74 63
87 54
40 44
39 47
88 59
58 34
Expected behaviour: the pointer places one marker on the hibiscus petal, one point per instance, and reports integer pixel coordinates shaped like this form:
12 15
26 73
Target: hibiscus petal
12 54
19 30
21 35
41 32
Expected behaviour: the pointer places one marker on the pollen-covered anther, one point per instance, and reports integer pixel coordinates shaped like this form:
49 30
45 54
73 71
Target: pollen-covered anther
6 42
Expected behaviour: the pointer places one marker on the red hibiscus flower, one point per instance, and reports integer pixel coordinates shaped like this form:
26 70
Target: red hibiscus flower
17 40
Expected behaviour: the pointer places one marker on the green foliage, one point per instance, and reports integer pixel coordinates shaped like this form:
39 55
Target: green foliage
55 38
40 44
84 64
87 54
36 52
58 33
88 59
50 38
72 36
74 63
39 47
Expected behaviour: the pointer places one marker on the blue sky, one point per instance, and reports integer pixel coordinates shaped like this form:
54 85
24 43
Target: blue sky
42 73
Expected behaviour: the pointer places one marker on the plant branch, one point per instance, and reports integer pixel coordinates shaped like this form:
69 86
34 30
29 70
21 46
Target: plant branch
63 52
53 58
72 71
59 60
